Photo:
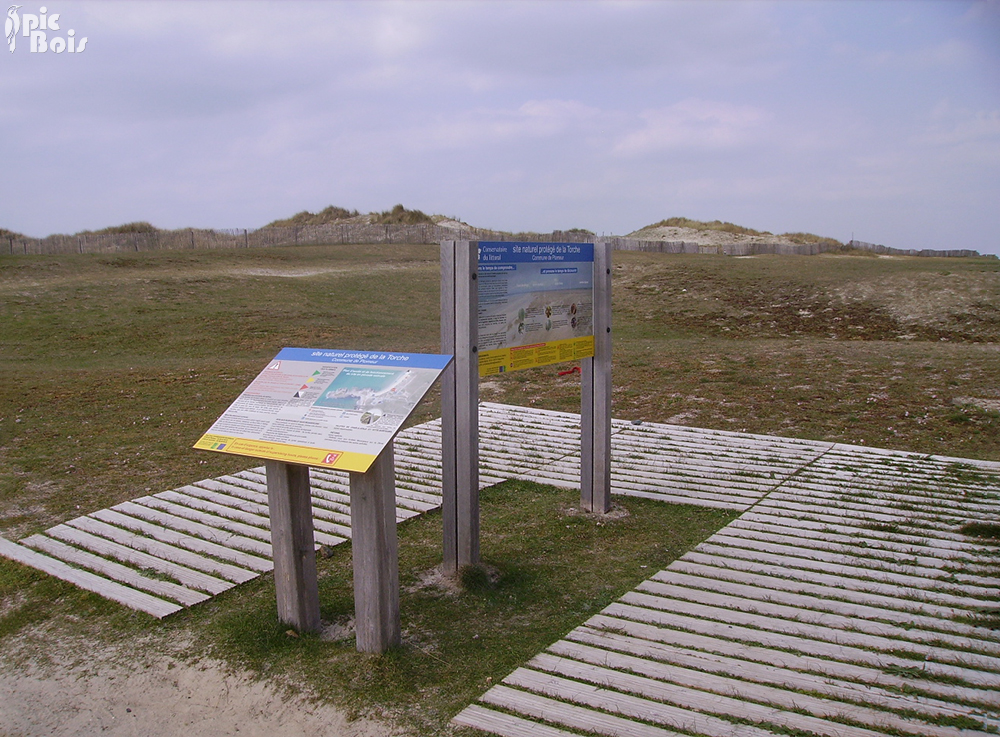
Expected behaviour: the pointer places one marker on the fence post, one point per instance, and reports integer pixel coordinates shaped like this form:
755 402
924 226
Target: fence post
595 410
375 553
460 405
292 543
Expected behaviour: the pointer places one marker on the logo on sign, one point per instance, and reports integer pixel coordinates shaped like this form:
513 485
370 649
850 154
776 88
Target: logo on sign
40 29
330 459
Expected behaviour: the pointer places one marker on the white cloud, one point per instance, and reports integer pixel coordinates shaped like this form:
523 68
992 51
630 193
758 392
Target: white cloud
522 115
950 126
482 128
951 52
694 123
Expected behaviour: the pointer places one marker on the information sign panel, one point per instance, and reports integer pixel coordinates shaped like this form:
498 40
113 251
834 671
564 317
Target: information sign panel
327 408
536 304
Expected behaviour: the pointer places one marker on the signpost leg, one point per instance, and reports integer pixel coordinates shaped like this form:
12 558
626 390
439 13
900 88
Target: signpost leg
595 406
460 404
375 549
293 547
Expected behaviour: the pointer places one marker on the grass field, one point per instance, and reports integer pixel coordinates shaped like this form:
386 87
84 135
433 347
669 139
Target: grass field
111 366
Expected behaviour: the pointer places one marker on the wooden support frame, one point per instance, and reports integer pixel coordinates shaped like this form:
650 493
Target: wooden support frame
595 403
293 547
460 401
375 552
460 404
374 549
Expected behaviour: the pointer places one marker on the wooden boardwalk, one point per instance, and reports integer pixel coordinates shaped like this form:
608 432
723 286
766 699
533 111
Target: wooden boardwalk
845 600
166 551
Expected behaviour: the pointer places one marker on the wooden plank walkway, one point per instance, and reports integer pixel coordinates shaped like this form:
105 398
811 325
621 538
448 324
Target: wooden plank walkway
166 551
845 600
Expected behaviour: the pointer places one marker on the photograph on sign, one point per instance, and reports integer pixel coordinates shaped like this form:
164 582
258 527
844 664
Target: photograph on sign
328 408
536 304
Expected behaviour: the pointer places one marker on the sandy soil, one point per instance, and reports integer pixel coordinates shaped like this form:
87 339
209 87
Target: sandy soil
293 272
84 690
704 237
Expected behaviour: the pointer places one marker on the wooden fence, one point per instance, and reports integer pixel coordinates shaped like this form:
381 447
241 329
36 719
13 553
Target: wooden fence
874 247
782 249
731 249
354 233
332 233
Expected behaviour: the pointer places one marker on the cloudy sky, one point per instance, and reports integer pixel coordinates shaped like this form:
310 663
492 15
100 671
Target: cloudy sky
875 119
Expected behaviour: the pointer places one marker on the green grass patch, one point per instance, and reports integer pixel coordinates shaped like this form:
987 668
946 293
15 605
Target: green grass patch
112 365
988 531
546 569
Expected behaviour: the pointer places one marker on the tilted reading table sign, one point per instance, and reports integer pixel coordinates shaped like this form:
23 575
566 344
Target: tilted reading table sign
338 410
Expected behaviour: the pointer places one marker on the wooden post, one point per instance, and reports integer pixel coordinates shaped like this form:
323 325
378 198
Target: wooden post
595 406
295 583
460 404
375 550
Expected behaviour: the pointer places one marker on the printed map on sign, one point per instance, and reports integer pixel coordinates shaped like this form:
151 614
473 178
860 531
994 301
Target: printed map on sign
336 409
536 304
379 392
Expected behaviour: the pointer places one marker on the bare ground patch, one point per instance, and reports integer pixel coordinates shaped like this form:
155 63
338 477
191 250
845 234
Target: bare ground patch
87 688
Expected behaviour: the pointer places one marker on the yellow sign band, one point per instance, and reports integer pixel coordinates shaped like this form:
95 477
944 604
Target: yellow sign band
340 459
536 354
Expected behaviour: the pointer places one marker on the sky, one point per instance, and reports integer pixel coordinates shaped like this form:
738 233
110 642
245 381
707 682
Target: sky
872 119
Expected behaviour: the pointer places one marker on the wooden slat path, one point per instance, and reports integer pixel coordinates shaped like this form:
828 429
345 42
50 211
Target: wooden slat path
666 462
845 600
165 551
